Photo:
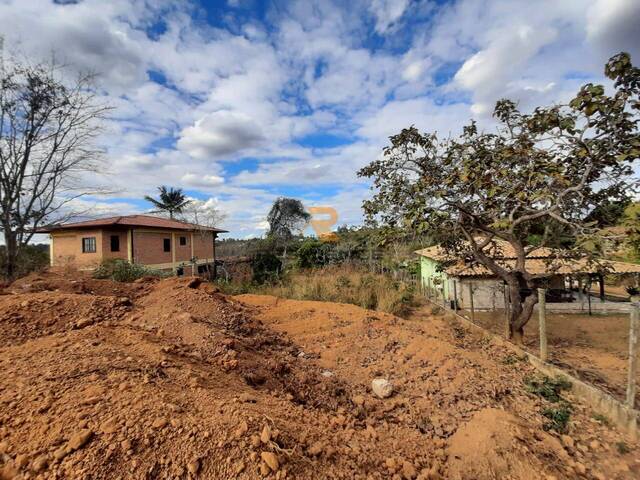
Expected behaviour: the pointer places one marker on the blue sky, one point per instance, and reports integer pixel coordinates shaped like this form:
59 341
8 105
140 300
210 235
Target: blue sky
240 101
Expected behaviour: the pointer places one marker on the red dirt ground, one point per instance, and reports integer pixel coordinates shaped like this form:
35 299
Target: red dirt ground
172 379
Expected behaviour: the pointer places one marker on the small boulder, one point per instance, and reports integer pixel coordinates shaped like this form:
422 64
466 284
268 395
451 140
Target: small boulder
271 460
160 423
567 441
382 388
193 466
265 436
40 463
79 439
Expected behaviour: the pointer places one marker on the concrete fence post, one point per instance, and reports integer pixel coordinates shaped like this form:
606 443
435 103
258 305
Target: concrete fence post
507 326
473 312
455 296
542 306
444 296
633 353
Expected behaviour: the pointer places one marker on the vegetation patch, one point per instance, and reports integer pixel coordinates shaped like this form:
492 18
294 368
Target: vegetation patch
547 387
557 417
603 419
622 448
559 414
123 271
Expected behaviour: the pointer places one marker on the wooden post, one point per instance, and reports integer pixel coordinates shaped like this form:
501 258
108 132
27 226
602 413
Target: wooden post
473 312
542 305
601 281
455 296
507 327
444 296
633 353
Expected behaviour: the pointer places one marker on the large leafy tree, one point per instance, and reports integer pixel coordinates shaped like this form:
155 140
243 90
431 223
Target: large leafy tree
286 218
538 171
169 200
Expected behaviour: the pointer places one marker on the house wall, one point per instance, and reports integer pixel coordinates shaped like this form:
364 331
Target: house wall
106 244
488 293
148 249
66 249
434 279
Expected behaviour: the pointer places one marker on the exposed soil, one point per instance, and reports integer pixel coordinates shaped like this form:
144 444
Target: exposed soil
172 379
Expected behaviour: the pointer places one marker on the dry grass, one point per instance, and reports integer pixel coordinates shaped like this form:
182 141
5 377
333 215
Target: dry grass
346 285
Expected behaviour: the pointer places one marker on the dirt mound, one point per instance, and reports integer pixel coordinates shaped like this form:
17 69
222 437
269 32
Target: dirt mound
494 445
79 283
28 316
187 383
446 380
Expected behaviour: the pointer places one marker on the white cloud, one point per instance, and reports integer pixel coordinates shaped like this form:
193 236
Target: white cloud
194 180
615 25
387 12
220 134
190 96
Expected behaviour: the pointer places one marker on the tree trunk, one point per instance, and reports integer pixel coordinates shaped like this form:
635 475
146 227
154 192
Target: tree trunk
521 311
11 258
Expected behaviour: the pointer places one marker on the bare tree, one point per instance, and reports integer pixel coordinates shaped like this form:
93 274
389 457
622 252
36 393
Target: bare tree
202 213
48 127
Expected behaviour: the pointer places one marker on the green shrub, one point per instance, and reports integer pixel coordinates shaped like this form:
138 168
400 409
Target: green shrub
313 254
547 388
266 266
122 271
31 258
558 417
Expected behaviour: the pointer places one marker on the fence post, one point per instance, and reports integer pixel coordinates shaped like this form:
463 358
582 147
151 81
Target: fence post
444 297
542 305
455 296
633 353
473 312
507 327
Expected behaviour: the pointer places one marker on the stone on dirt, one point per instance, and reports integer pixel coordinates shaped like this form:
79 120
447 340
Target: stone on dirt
265 436
271 460
382 388
79 439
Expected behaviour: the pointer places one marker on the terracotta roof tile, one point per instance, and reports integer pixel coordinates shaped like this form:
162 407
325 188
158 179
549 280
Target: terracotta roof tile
549 266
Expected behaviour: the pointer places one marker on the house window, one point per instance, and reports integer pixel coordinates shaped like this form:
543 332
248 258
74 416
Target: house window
167 244
89 245
115 243
183 241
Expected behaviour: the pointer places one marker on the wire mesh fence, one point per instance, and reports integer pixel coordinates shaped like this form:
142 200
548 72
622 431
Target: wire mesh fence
594 340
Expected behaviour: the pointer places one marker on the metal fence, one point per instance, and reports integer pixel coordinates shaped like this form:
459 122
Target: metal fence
595 341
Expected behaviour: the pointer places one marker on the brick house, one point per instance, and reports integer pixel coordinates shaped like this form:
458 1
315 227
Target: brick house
157 243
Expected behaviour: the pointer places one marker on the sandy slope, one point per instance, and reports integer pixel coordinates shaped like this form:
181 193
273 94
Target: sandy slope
174 380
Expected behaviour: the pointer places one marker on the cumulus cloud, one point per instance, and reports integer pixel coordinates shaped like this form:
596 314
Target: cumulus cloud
614 25
189 95
220 134
194 180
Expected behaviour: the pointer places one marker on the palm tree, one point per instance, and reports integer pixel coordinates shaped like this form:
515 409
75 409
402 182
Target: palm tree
170 200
